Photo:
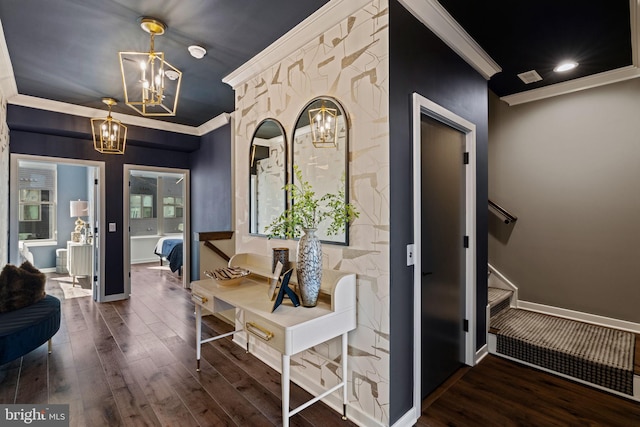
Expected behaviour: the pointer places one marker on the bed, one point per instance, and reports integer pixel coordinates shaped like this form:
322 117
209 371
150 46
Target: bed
170 248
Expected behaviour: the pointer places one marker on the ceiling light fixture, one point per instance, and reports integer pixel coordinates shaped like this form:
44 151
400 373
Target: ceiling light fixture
109 134
565 66
323 126
197 52
151 84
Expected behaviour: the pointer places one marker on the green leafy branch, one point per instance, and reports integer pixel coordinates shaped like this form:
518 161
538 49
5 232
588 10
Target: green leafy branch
307 211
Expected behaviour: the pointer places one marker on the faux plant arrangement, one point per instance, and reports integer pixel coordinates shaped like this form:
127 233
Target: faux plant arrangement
305 212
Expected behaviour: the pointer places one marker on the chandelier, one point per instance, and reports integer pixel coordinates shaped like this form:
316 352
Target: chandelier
109 134
151 84
323 126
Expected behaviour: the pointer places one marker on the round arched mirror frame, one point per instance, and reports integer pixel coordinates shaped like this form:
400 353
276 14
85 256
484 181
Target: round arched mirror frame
268 174
331 163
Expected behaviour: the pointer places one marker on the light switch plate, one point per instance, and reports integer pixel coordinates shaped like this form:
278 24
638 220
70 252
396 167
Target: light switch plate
112 227
411 254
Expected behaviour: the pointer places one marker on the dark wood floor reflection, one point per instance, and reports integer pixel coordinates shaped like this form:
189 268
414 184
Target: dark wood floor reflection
133 363
498 392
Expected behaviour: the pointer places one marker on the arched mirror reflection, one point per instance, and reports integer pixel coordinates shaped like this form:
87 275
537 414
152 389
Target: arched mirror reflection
320 154
267 175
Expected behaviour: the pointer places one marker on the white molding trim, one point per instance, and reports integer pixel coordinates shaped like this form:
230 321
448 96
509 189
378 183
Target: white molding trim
420 106
607 322
317 23
482 353
634 12
438 20
502 278
409 419
81 111
8 86
614 76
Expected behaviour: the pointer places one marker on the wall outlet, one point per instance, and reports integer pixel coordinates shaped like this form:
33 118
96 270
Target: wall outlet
411 254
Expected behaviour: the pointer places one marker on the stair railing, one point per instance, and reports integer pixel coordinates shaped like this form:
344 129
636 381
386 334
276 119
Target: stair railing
506 216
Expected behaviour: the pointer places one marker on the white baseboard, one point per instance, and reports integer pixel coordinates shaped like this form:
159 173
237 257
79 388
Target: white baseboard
47 270
482 353
409 419
272 359
155 259
580 316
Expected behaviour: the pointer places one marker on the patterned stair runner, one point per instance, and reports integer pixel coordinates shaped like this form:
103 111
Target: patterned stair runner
592 353
499 300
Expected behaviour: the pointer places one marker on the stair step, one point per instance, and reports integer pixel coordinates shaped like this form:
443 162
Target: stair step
499 299
591 353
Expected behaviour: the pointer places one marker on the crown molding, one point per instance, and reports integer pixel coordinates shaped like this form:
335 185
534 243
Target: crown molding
570 86
329 15
8 87
634 13
438 20
81 111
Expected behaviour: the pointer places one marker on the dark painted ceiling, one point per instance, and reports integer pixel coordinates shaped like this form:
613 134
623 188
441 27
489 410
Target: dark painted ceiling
522 36
67 50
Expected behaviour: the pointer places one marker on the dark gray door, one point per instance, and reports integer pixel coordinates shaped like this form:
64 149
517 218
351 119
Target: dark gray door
443 257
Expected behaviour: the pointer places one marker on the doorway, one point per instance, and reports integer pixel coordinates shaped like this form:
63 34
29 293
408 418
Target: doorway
156 206
444 233
46 226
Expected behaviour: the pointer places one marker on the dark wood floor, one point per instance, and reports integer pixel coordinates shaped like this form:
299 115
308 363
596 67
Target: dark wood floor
132 363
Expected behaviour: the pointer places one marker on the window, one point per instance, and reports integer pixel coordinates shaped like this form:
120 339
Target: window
156 203
36 201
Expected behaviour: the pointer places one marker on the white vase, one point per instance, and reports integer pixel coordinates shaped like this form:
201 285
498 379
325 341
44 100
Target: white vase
309 267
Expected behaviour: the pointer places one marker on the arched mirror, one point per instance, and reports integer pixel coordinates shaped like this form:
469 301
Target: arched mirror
267 175
320 155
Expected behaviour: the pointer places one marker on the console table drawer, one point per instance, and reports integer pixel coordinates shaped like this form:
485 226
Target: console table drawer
265 331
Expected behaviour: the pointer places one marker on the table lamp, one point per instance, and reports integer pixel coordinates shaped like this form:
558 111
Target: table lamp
78 208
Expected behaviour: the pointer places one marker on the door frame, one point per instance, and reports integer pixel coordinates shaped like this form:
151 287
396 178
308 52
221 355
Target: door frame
186 233
422 105
99 195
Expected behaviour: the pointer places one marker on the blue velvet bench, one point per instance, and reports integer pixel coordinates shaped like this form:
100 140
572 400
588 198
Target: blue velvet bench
27 328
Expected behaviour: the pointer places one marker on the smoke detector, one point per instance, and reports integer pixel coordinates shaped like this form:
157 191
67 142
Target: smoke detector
530 76
197 52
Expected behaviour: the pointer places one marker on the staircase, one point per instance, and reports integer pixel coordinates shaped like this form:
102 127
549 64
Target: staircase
595 355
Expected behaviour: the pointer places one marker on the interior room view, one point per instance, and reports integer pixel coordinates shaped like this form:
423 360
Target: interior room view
319 213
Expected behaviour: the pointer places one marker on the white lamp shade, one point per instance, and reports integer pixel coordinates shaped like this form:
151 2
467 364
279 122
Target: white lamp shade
79 208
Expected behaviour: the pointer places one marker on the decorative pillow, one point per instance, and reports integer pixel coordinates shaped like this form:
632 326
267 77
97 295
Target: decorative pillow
20 286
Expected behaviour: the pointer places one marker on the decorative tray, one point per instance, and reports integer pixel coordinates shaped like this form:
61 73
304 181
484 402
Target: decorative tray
230 276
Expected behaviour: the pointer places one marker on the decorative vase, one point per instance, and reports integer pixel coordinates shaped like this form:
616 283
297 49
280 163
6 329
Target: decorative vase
309 267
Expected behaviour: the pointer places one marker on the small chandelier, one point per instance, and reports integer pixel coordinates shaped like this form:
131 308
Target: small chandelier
151 84
323 126
109 134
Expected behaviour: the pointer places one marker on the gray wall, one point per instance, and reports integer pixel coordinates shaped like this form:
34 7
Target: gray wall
569 168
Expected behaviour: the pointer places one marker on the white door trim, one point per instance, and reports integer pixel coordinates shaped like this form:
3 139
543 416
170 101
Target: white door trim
186 248
99 246
422 105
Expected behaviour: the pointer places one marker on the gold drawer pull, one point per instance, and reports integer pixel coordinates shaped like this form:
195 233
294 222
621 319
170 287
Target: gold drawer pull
199 299
259 331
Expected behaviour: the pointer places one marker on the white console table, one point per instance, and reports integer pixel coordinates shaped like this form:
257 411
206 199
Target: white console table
79 260
289 329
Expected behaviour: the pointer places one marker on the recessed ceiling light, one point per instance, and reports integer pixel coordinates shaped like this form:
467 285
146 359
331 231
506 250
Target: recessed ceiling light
197 52
565 66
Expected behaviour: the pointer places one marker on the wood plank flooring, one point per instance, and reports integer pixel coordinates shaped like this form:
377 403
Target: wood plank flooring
132 363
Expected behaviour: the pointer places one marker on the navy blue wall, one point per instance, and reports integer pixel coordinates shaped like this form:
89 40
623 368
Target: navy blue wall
420 62
210 188
43 133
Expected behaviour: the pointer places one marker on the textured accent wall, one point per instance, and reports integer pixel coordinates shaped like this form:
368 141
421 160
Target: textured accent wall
350 63
4 181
